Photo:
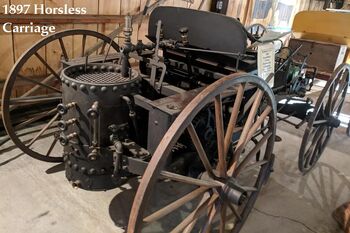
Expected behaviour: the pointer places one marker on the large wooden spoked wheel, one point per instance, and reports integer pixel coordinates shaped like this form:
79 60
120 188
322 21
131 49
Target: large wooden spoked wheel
324 118
223 194
23 114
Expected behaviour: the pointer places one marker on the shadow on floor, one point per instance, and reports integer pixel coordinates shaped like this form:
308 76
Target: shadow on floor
325 187
11 159
56 168
120 206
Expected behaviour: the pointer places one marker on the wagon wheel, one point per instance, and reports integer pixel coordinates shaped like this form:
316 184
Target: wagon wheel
40 101
324 118
230 182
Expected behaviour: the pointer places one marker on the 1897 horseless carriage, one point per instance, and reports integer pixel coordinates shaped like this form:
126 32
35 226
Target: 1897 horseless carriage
192 114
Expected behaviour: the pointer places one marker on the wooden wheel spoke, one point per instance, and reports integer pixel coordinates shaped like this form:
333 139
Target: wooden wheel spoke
36 87
254 166
222 218
108 49
246 128
63 48
39 83
175 205
52 71
197 213
190 226
258 123
103 48
220 136
200 150
35 118
234 211
316 151
328 107
189 180
43 130
233 118
336 103
252 153
83 43
212 213
309 153
34 100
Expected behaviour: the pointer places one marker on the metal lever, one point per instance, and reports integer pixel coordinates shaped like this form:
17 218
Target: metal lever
156 57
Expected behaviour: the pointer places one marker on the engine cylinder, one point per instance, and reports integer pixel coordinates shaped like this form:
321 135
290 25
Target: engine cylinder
92 101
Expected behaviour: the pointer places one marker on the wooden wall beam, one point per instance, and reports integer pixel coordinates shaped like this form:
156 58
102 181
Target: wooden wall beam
61 19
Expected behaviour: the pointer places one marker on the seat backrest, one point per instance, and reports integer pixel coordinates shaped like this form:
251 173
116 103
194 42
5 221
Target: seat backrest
207 30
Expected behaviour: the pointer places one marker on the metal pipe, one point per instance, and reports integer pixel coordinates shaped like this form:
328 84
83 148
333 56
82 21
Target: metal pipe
132 114
117 156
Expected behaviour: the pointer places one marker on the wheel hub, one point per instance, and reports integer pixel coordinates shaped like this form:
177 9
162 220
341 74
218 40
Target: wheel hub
333 122
234 192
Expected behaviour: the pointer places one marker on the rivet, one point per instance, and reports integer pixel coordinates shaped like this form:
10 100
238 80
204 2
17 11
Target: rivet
156 122
132 84
110 68
66 82
83 169
103 171
115 88
94 67
92 171
125 86
82 87
93 88
74 85
103 89
117 69
80 67
75 167
69 163
76 151
62 79
65 158
103 67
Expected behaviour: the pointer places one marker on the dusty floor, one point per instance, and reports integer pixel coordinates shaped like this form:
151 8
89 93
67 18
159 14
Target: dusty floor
36 198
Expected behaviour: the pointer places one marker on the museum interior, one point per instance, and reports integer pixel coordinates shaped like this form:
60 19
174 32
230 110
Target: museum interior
175 116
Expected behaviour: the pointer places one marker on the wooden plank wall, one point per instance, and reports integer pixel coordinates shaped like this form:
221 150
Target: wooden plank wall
243 10
14 45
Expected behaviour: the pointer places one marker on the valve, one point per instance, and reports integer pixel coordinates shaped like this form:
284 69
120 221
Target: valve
93 111
63 125
184 35
63 109
93 154
64 139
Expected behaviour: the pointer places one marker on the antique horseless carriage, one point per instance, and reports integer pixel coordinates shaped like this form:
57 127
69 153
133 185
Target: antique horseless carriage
192 114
